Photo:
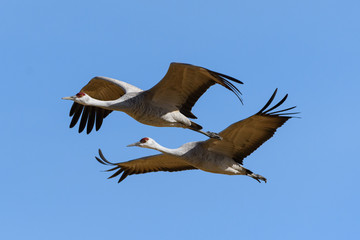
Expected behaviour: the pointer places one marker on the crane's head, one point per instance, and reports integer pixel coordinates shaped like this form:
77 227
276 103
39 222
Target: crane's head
144 142
80 97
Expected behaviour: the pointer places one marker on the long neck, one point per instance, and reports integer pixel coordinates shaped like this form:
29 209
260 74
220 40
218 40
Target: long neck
105 104
176 152
119 104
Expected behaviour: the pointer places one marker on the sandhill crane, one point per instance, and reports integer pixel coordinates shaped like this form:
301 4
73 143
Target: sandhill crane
167 104
224 156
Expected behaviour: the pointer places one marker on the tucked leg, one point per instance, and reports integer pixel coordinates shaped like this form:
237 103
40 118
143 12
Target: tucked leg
257 177
210 134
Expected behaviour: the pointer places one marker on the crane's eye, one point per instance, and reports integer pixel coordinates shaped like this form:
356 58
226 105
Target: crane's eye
144 140
80 94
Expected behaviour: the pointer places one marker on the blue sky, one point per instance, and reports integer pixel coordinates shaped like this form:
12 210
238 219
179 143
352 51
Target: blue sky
53 188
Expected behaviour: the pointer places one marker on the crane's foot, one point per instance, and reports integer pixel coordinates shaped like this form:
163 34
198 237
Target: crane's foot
210 134
213 135
257 177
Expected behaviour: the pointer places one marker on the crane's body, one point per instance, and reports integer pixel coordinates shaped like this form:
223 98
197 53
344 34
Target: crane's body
217 163
200 157
137 106
154 114
216 156
167 104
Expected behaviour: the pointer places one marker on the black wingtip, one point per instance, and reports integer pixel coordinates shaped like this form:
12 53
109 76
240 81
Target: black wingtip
123 176
277 105
119 169
225 79
99 160
76 115
268 102
116 174
101 154
226 76
104 159
279 113
91 119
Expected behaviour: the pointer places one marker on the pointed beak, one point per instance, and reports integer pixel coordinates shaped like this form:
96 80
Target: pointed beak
69 98
133 144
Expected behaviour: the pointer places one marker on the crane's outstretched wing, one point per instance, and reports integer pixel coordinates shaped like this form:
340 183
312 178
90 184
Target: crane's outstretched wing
147 164
99 89
244 137
184 84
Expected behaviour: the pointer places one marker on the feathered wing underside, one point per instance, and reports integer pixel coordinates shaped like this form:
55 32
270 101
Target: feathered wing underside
154 163
99 89
244 137
184 84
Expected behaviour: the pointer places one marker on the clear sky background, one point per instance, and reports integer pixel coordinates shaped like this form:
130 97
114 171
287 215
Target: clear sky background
53 188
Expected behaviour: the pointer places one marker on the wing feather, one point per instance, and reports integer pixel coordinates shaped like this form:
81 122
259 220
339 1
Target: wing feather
154 163
91 120
99 89
244 137
78 108
184 84
84 118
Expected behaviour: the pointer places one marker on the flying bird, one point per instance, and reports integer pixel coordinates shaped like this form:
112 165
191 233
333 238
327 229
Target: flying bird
224 156
167 104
